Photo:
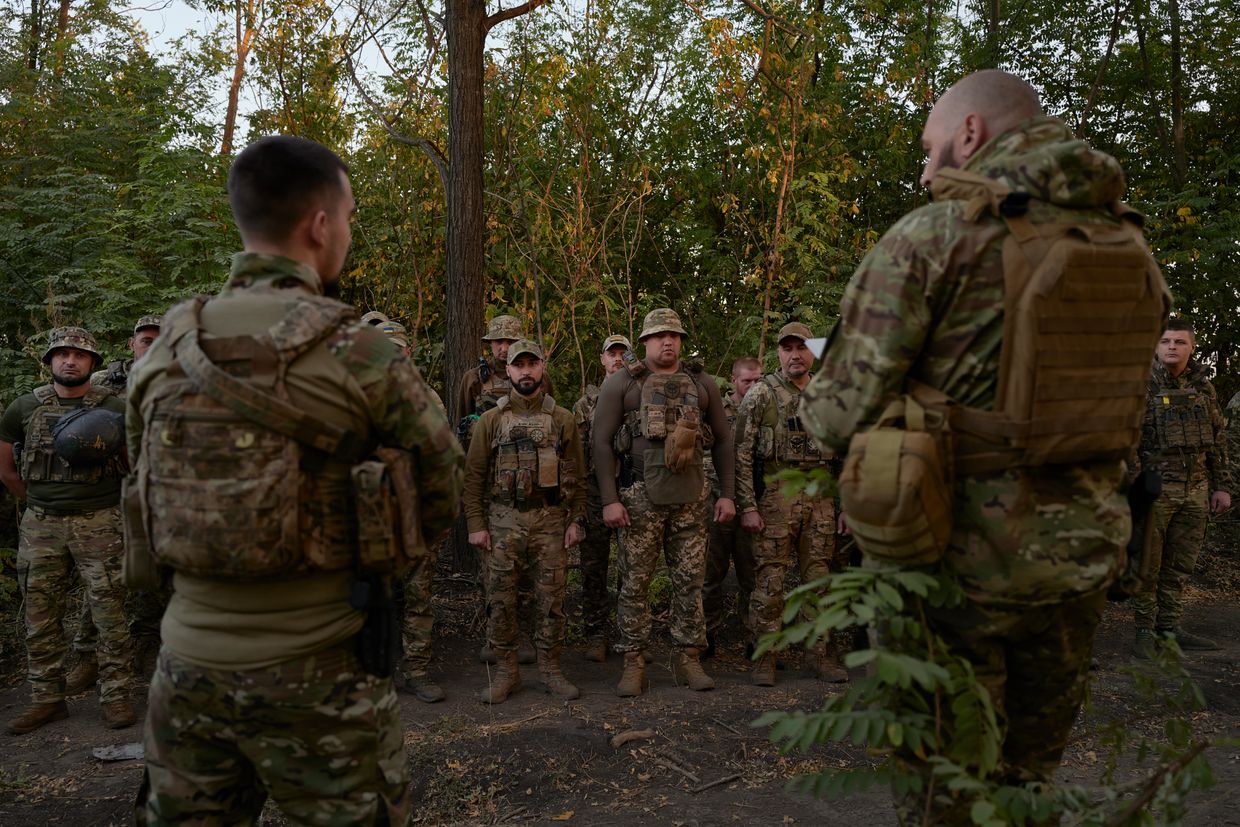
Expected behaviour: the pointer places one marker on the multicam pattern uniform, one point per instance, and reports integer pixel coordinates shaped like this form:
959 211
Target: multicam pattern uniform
1032 547
256 697
1182 510
800 522
727 545
596 547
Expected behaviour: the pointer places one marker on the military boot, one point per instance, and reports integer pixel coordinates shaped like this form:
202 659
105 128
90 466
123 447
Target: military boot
633 681
420 686
596 649
763 672
36 715
825 665
82 676
689 670
119 714
1144 643
505 680
1188 642
553 679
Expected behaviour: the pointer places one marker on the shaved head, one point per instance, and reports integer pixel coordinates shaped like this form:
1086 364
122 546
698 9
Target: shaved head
977 108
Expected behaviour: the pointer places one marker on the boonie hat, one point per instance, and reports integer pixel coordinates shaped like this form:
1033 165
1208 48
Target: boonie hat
374 317
661 320
504 327
77 337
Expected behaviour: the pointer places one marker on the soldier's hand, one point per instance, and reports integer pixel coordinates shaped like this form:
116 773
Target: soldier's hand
725 510
481 539
752 522
616 516
841 527
573 535
1220 501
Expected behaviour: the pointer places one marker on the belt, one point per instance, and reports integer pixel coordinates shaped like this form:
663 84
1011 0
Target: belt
43 513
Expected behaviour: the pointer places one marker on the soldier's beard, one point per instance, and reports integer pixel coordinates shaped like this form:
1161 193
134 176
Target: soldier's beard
71 381
527 387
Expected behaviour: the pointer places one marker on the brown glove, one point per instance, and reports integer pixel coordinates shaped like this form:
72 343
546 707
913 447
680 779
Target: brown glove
680 445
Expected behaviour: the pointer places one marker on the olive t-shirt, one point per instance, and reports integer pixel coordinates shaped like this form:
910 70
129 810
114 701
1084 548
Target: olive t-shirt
60 497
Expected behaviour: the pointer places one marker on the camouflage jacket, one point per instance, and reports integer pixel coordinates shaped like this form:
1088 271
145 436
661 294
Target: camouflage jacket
927 303
115 377
1233 433
1189 469
753 410
583 414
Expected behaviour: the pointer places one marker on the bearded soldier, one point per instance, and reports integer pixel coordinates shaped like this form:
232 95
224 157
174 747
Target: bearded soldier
596 547
72 487
1184 437
648 420
525 504
786 527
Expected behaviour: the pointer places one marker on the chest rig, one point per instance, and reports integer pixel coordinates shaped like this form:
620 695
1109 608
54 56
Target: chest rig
39 460
495 386
525 455
666 399
782 437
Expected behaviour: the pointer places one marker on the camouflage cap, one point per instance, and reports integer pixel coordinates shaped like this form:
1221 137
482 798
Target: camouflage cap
795 330
77 337
504 327
395 331
615 339
152 320
374 317
523 346
661 320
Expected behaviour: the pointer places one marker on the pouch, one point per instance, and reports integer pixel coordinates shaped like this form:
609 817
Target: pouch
666 488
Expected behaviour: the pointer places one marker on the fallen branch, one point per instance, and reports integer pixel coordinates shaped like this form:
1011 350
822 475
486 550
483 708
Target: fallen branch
730 728
736 776
515 724
1151 785
663 762
623 738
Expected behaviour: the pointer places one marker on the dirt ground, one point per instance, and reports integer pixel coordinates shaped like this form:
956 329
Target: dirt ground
538 760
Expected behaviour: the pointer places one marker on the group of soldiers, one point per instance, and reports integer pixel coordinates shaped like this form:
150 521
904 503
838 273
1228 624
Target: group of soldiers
285 470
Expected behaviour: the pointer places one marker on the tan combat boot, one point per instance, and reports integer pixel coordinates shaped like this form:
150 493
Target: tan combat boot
825 665
419 685
763 671
633 681
596 649
553 679
505 680
82 676
36 715
689 670
119 714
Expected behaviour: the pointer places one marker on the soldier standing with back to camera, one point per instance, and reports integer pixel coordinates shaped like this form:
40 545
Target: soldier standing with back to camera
648 420
787 528
71 519
525 504
596 547
1184 437
251 424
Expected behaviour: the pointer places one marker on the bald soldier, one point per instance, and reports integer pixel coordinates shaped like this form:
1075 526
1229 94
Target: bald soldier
1038 517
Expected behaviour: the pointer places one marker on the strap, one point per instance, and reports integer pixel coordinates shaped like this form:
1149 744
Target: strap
251 404
880 467
548 404
45 394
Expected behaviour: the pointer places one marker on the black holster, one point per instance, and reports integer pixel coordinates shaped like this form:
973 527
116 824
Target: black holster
1142 494
378 642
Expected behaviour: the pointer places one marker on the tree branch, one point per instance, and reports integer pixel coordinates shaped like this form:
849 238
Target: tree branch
1150 788
500 16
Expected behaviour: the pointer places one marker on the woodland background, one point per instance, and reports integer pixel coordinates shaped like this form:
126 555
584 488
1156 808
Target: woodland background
733 160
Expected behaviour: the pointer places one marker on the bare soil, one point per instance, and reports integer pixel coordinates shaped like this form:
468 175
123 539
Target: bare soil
695 761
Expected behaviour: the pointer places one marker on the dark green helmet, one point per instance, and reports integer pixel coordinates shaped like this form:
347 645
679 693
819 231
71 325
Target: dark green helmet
88 436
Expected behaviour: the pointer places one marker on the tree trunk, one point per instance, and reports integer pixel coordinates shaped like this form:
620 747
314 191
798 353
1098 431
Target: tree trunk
246 26
36 35
1179 167
991 58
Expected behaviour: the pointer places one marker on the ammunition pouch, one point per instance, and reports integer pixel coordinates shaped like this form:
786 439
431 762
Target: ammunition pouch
666 487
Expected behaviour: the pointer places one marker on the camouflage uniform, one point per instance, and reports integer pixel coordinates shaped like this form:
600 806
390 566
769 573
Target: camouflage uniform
257 691
1033 547
596 547
726 545
1189 475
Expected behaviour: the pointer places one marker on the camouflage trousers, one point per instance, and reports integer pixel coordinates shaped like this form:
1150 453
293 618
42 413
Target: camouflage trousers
144 609
1179 524
727 545
529 543
317 734
1034 662
595 561
418 615
679 531
48 548
799 530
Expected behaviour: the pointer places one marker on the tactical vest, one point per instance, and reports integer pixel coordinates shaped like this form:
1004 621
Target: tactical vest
583 415
115 378
1084 304
1181 417
782 437
666 399
39 460
494 388
525 455
228 498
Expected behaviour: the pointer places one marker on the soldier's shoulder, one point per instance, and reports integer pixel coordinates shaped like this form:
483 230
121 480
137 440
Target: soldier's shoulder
933 221
362 349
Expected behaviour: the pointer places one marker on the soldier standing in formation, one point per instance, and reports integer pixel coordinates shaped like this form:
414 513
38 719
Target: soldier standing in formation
648 420
1034 544
786 527
115 377
1184 437
71 518
726 546
525 504
596 547
247 423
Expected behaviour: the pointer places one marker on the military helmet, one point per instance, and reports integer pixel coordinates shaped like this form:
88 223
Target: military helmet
374 317
616 339
395 331
76 337
524 346
153 320
661 320
504 327
88 436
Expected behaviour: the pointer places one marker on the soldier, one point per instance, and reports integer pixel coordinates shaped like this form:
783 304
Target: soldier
770 437
727 546
1037 517
115 377
71 518
525 504
648 420
395 331
596 547
1184 437
251 423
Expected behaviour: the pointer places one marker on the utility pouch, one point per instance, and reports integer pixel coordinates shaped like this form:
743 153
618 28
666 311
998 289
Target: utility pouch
378 545
622 442
548 467
664 487
138 567
505 487
896 487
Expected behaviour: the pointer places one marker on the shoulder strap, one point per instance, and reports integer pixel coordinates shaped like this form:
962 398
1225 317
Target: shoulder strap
252 404
45 394
95 395
502 403
548 404
310 321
